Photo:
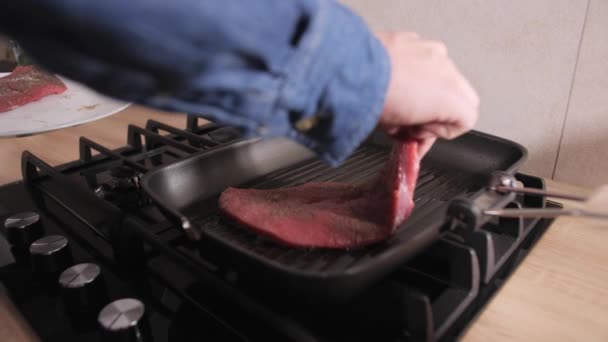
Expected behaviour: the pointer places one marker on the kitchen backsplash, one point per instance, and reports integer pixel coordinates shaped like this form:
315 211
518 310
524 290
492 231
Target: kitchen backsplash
541 68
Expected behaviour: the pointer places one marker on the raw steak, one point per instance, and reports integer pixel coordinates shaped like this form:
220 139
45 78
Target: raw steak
331 215
27 84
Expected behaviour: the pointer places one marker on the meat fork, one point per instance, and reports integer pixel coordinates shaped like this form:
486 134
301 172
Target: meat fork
506 183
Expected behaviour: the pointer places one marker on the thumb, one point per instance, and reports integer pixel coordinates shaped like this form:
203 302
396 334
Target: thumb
424 145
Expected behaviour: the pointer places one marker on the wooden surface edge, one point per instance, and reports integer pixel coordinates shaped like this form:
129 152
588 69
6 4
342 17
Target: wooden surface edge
13 326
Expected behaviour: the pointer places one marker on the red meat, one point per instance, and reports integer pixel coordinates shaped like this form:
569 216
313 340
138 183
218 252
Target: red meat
27 84
331 215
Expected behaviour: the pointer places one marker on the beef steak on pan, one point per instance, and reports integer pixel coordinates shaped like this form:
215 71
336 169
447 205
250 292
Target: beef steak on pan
330 214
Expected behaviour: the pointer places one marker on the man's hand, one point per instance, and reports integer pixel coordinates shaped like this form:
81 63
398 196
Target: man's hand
427 97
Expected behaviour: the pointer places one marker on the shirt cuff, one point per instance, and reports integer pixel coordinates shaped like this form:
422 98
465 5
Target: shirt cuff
337 84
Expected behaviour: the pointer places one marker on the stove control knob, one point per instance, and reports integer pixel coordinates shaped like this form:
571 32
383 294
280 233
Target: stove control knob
50 255
83 289
123 320
23 228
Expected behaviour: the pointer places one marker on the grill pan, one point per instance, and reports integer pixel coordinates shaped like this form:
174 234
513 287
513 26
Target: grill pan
187 191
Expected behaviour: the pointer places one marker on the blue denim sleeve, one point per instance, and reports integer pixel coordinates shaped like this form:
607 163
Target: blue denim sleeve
309 70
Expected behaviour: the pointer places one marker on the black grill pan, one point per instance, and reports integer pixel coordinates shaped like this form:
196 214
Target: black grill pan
188 191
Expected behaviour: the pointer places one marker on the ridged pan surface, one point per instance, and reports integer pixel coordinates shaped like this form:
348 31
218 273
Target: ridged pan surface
190 188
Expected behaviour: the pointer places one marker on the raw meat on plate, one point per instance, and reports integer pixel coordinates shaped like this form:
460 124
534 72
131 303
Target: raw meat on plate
27 84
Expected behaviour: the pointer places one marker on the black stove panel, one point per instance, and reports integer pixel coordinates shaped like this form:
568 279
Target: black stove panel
133 275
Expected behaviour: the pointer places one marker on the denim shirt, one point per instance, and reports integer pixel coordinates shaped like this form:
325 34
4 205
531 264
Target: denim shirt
309 70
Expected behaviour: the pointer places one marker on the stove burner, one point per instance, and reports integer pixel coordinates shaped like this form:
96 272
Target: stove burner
123 188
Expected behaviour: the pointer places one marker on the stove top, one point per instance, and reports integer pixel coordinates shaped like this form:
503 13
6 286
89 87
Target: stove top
86 256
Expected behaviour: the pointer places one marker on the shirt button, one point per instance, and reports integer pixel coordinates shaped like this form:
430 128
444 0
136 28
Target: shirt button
262 130
162 96
307 124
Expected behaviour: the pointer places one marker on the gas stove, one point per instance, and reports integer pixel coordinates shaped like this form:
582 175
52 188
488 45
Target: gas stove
87 256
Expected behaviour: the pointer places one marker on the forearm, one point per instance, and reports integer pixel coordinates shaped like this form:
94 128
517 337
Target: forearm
263 65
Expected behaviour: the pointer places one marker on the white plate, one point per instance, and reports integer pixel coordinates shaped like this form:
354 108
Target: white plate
77 105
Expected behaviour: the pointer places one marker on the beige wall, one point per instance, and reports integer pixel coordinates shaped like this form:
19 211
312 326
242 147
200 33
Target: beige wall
583 156
522 56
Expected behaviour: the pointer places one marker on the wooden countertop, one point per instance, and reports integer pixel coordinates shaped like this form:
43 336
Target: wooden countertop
560 292
61 146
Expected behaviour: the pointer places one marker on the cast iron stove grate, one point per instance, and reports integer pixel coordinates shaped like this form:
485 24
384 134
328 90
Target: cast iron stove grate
187 295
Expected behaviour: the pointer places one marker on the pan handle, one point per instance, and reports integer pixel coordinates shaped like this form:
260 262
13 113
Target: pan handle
189 229
503 182
544 213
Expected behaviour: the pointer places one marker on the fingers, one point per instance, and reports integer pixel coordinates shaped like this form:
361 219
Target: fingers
470 92
462 116
433 130
436 48
424 146
458 109
411 35
463 86
426 138
442 130
427 97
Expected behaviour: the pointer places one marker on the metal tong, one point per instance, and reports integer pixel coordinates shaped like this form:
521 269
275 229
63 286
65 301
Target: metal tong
505 183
